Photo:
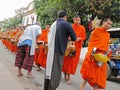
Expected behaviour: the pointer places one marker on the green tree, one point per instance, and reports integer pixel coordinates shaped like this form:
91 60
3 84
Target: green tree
47 10
13 21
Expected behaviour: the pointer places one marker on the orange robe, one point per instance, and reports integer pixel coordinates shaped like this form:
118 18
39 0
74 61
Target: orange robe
40 57
7 41
3 40
36 56
70 63
17 37
13 36
90 71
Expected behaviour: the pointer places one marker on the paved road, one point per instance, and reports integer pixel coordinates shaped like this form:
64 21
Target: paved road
113 84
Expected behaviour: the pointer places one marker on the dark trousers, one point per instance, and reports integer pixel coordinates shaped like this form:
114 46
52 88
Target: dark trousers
54 82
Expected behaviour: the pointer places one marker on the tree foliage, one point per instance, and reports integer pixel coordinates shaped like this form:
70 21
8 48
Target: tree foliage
13 21
105 8
47 9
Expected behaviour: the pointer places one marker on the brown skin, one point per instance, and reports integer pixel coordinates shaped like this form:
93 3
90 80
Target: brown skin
77 21
107 25
47 27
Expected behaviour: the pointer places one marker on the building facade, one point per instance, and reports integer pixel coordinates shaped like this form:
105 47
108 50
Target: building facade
29 16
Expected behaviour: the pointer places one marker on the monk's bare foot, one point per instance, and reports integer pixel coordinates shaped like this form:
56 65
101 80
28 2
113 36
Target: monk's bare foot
81 86
65 76
38 68
69 81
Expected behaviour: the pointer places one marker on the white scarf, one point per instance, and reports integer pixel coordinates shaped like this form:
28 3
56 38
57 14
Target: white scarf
50 55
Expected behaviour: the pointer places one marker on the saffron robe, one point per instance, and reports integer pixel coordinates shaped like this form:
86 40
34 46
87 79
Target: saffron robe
70 63
96 75
40 56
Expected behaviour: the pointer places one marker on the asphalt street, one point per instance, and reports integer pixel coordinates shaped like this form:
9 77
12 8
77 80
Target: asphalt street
112 84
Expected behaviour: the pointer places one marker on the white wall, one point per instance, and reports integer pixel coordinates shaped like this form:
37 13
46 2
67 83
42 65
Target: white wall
28 19
83 53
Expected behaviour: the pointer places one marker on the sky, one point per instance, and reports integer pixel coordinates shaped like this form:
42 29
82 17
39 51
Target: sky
8 7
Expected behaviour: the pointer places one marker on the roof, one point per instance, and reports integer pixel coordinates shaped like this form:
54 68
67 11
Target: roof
113 29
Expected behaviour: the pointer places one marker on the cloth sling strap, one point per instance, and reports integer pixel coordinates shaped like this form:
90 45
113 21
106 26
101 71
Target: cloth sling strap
50 55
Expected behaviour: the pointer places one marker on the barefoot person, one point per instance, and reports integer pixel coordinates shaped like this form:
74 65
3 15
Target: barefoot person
91 72
26 47
40 59
70 63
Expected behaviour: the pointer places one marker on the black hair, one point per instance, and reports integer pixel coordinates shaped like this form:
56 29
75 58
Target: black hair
47 24
76 16
37 23
104 20
61 14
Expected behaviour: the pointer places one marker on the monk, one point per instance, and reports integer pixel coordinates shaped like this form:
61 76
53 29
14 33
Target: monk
7 38
70 63
13 34
16 38
92 73
3 37
40 57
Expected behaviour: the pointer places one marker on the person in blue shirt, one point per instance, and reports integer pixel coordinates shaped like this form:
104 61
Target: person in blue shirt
26 47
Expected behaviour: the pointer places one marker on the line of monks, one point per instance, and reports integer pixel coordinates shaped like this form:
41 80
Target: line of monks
11 36
70 61
100 38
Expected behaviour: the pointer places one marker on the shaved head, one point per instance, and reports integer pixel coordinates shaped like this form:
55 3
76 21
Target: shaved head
76 16
76 19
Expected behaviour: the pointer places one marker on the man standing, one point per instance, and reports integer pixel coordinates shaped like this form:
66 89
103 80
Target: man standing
26 47
57 42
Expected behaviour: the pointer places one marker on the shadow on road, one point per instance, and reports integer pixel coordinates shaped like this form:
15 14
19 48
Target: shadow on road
114 79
